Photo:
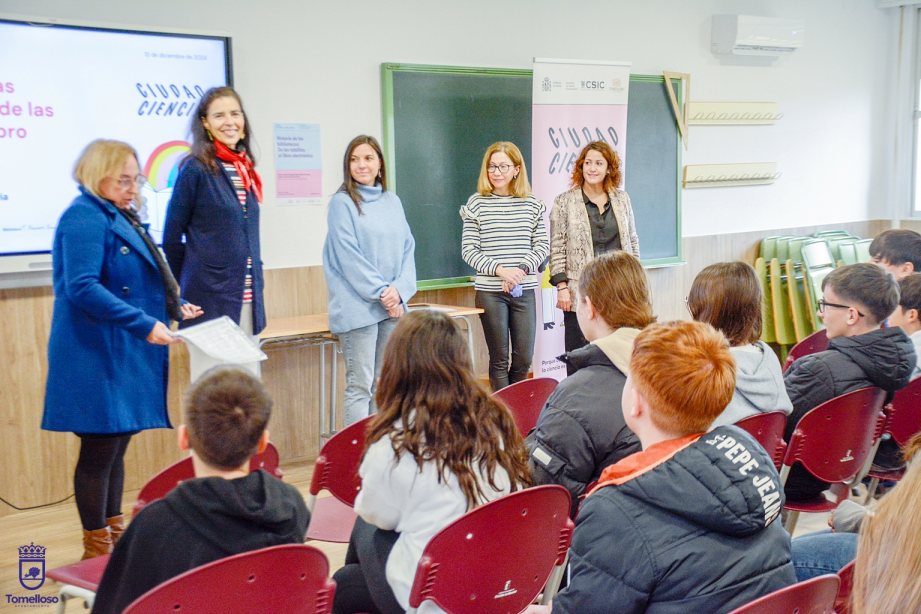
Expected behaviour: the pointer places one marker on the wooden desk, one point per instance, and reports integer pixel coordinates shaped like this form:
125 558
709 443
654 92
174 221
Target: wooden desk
313 330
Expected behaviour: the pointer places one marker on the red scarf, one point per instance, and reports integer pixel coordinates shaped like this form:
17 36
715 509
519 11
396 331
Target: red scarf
244 166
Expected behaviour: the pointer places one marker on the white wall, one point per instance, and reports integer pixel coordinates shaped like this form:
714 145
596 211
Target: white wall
310 61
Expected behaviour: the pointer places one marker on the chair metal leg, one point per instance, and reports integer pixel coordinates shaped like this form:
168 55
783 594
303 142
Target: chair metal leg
553 582
871 490
69 591
790 524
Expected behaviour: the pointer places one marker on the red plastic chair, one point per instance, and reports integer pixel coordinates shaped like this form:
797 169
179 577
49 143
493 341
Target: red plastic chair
833 442
497 557
903 421
815 596
292 578
80 580
161 484
336 470
843 600
525 399
816 342
767 429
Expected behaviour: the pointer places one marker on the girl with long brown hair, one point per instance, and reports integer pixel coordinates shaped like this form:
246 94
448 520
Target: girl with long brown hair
439 447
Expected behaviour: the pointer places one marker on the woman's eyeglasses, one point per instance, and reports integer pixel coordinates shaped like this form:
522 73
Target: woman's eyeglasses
499 168
124 181
822 304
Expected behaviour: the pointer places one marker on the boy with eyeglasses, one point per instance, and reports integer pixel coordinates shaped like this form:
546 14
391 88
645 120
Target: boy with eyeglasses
856 299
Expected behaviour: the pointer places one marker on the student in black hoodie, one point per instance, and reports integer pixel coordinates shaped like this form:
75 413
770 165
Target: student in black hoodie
224 511
581 429
856 299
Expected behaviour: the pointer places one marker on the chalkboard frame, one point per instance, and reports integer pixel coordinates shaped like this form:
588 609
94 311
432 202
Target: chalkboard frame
388 70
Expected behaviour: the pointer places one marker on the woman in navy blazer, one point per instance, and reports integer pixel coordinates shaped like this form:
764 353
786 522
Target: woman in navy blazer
211 235
107 360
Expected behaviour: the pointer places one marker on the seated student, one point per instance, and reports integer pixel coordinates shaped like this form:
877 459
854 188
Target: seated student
907 315
856 299
225 510
688 524
581 429
727 296
440 446
889 548
898 251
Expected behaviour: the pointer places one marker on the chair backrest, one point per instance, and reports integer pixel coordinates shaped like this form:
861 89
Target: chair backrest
903 418
816 254
268 461
832 441
863 249
815 596
336 468
161 484
816 342
780 303
525 399
291 578
497 557
847 252
768 335
843 600
767 429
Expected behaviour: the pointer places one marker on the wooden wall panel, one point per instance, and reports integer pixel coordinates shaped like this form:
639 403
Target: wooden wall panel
36 466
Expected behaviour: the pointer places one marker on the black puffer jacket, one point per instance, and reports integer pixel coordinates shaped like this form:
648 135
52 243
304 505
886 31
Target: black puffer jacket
883 358
698 533
581 429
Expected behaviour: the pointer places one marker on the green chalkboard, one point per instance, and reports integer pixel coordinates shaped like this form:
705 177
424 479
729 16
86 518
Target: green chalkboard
438 121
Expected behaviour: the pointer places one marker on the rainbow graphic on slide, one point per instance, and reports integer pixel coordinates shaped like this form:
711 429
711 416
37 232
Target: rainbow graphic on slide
163 164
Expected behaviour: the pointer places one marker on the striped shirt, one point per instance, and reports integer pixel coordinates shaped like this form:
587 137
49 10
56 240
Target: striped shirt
241 196
504 231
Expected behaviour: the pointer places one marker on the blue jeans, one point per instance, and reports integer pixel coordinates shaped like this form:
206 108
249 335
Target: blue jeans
363 352
823 552
507 317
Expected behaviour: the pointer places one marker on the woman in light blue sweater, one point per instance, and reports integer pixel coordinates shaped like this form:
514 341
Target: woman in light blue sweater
369 268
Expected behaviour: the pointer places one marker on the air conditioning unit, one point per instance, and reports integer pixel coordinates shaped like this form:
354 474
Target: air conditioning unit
753 35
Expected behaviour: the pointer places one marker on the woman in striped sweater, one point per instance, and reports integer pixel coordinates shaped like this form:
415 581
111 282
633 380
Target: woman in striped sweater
505 240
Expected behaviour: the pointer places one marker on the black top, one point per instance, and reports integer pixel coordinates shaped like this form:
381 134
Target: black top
199 521
605 233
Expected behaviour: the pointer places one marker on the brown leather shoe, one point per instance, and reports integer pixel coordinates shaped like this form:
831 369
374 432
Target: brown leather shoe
96 543
116 527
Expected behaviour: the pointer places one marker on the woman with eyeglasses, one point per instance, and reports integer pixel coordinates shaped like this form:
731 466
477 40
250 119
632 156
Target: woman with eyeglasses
370 269
211 234
505 240
593 217
114 297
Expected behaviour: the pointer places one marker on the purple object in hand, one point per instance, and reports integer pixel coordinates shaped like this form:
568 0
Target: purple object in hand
516 291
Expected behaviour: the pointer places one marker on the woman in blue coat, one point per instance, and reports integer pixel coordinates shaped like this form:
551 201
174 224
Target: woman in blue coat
107 360
211 234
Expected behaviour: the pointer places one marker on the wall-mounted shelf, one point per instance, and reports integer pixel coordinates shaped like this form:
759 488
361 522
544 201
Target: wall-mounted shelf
727 113
728 175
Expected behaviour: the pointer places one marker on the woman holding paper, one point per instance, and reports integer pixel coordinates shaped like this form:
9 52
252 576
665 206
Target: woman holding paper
593 217
505 240
211 235
368 261
107 361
